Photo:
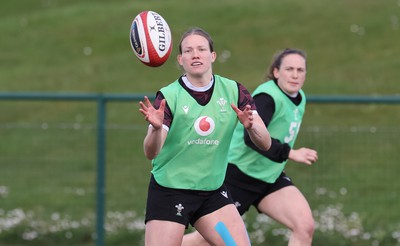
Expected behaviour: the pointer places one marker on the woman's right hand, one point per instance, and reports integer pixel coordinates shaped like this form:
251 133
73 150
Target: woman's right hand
154 116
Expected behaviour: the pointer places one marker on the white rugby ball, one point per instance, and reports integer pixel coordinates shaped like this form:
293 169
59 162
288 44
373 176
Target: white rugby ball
151 38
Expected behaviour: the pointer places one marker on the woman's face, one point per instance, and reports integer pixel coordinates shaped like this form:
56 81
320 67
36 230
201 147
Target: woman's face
196 58
292 74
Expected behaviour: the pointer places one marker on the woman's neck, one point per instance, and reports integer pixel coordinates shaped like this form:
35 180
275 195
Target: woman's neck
200 80
197 85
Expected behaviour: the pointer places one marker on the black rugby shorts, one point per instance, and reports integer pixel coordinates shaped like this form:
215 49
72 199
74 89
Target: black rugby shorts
247 191
183 206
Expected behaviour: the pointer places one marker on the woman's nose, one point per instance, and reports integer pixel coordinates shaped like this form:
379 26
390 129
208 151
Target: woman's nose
195 53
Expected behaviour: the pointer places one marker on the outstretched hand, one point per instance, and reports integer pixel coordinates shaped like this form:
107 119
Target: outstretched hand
154 116
245 116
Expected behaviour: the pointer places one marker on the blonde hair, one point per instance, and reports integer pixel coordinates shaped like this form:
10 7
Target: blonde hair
200 32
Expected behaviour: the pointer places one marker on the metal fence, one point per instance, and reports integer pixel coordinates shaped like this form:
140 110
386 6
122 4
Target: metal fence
102 100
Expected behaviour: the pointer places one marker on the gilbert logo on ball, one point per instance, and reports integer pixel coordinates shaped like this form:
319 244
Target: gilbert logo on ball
151 38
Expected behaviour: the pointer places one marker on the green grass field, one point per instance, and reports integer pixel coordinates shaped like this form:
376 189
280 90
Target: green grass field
48 149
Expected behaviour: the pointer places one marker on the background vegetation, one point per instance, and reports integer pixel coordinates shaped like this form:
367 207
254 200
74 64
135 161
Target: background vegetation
47 149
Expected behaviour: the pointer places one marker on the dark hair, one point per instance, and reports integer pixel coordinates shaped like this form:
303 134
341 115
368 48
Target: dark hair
200 32
277 60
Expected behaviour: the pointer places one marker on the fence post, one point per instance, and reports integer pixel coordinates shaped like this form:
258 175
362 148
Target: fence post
101 156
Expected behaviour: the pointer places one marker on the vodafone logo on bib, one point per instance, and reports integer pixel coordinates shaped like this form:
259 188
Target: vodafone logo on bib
204 125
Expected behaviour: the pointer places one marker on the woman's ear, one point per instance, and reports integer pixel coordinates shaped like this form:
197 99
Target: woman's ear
276 72
213 56
179 58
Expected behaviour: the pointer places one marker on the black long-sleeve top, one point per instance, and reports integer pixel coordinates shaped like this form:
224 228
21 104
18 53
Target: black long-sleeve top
278 152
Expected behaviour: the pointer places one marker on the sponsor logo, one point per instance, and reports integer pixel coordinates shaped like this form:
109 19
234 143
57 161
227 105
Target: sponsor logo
179 209
161 32
224 193
206 141
287 178
222 102
237 204
296 113
135 39
204 125
185 109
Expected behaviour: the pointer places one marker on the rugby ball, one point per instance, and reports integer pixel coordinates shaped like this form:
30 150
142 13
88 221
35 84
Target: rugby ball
151 38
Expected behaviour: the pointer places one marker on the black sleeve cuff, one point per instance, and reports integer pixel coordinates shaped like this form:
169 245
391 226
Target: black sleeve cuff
279 152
